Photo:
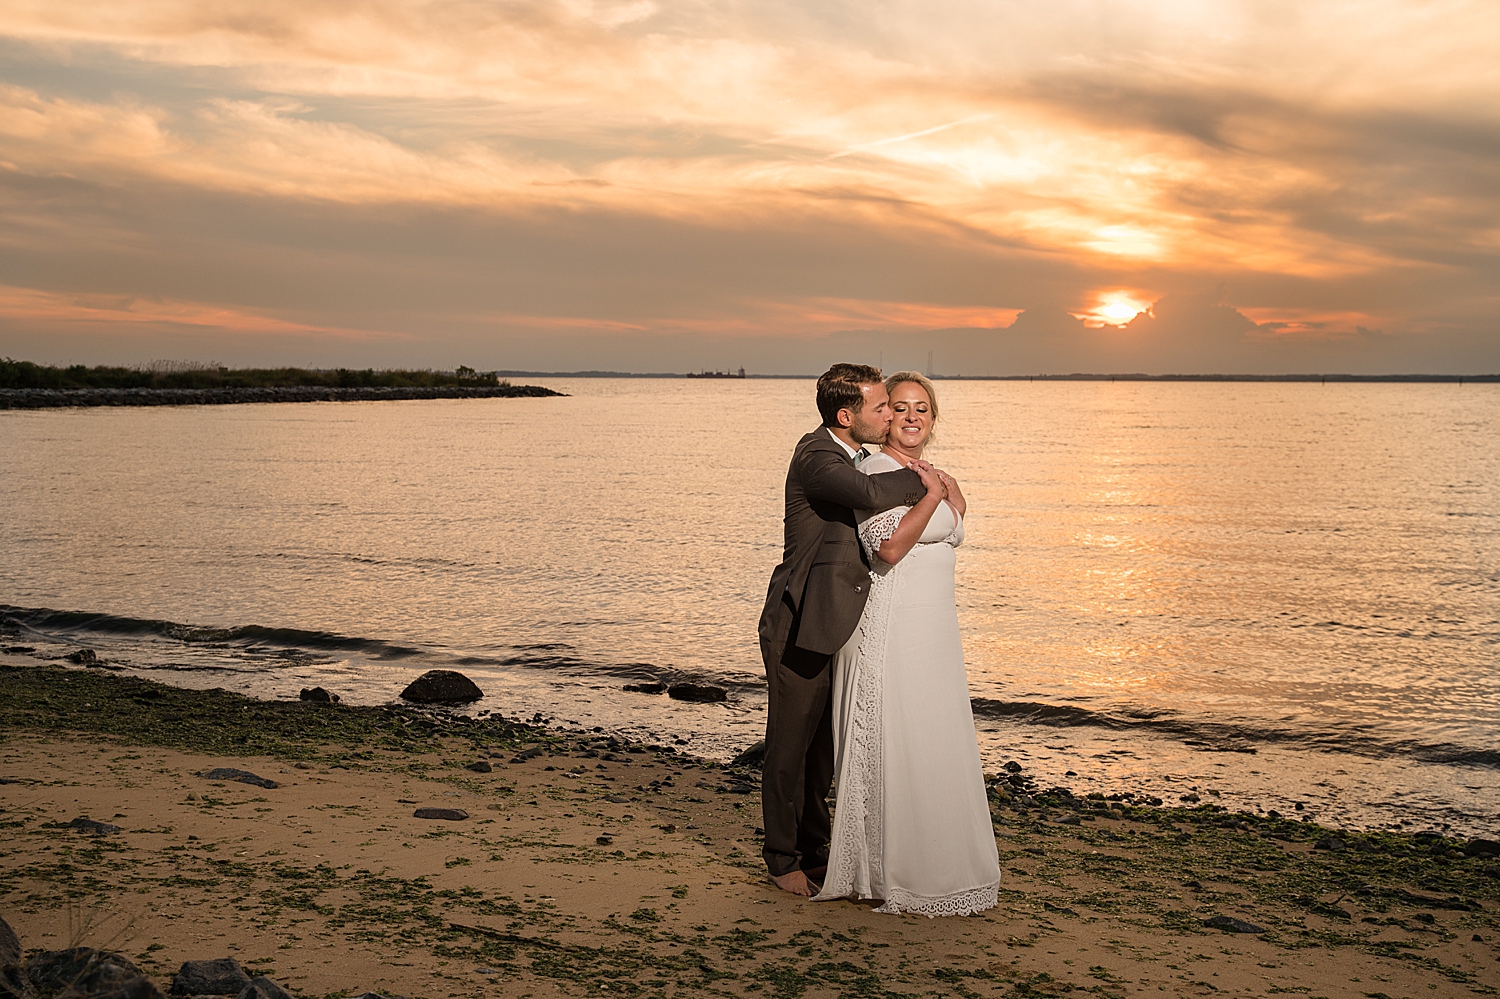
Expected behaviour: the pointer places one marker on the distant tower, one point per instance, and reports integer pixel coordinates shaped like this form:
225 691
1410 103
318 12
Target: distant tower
929 364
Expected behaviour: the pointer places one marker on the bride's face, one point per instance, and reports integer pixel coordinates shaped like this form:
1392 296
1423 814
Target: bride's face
913 416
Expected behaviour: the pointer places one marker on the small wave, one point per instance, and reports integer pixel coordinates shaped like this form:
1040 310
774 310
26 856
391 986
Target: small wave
44 620
1224 737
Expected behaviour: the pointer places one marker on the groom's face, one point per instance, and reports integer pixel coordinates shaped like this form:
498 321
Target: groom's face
872 424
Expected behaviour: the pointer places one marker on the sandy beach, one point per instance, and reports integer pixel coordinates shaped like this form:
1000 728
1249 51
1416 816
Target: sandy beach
589 867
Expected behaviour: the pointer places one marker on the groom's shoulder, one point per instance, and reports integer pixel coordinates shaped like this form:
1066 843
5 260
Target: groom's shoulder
817 439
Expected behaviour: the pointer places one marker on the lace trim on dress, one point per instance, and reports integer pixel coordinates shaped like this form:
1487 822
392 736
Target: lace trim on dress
859 820
964 903
878 530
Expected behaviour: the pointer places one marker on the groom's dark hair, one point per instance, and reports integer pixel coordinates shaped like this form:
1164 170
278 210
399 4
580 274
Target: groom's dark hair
839 388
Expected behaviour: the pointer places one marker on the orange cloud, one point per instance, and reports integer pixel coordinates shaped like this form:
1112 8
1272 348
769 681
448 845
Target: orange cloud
125 312
1309 324
810 316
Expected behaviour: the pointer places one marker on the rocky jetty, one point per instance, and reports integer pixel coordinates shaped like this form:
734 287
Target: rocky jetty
35 398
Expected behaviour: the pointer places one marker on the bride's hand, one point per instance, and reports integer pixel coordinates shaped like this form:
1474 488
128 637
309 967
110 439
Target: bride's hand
952 493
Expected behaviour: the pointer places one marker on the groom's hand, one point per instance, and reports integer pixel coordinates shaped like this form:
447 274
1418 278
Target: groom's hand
930 476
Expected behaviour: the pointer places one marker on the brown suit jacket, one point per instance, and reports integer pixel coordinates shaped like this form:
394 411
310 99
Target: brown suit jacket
823 580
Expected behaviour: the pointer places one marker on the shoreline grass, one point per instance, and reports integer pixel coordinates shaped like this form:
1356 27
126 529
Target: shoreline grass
185 375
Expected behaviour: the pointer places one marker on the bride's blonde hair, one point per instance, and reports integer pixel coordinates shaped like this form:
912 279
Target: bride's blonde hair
926 383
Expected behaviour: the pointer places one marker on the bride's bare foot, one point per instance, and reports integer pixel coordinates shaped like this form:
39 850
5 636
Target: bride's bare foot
795 882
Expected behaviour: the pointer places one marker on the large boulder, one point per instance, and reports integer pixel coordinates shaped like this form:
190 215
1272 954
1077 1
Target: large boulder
86 973
442 686
222 976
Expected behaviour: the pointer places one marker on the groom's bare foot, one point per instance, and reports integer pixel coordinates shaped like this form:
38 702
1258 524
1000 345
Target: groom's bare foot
795 882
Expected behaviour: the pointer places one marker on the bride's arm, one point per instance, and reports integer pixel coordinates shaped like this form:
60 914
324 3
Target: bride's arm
955 495
904 539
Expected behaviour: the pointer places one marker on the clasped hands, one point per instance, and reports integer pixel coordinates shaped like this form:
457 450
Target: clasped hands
935 479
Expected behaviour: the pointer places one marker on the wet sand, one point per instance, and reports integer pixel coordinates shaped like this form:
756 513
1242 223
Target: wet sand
330 885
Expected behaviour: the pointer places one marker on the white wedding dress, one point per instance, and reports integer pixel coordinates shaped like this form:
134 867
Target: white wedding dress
912 822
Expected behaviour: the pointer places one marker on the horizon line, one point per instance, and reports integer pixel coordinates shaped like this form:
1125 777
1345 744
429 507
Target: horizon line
1073 376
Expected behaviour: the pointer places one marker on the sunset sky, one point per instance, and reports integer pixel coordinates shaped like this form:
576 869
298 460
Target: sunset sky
1014 186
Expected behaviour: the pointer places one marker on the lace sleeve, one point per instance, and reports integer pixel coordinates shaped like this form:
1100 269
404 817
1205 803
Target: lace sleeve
878 530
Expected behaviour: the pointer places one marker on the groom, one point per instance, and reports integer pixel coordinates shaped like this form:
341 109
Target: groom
813 605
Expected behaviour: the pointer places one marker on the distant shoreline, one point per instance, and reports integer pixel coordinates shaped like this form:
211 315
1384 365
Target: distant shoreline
39 398
1075 377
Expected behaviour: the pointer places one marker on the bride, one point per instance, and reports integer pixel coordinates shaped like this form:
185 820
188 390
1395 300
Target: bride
912 824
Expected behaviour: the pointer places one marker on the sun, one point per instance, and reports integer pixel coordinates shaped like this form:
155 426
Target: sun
1114 307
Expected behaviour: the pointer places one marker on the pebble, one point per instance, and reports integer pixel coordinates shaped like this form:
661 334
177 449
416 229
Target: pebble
480 767
317 694
604 840
451 814
646 688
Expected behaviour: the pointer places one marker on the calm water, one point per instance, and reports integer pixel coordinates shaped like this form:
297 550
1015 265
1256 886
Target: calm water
1275 593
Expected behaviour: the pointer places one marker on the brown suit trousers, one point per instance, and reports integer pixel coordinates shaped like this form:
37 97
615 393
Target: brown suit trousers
813 605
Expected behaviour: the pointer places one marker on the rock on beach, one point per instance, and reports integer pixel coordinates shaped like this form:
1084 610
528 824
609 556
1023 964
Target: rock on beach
1231 925
318 694
754 757
10 946
84 971
699 692
451 814
442 686
221 976
261 987
243 776
86 825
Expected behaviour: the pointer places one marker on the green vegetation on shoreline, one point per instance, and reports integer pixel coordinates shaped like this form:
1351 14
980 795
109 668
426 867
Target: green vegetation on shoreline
26 375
